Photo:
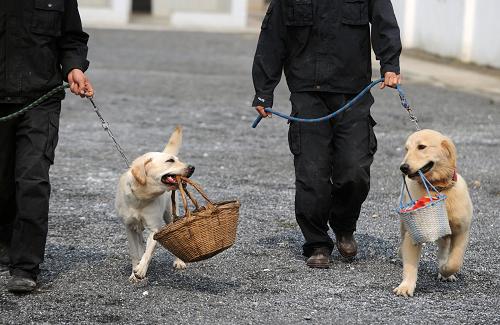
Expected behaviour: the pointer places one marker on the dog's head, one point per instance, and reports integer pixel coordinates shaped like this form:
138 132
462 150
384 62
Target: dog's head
157 170
430 152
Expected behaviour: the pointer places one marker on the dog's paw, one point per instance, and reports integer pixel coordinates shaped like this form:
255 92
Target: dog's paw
405 289
179 264
140 272
451 278
133 278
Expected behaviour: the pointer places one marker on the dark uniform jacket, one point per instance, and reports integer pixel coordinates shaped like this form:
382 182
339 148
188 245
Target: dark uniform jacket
41 41
324 45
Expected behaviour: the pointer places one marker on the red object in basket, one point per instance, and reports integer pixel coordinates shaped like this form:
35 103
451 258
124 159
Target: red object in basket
420 203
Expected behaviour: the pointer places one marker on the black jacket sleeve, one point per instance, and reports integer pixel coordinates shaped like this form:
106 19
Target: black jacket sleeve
73 41
385 35
270 55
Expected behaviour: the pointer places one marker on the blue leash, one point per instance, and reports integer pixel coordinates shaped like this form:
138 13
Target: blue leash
349 104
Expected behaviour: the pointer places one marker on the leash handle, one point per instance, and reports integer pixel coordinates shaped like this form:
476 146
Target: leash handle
257 121
35 103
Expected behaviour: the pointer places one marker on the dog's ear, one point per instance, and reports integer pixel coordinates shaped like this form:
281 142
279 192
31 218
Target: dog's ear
450 150
139 171
175 141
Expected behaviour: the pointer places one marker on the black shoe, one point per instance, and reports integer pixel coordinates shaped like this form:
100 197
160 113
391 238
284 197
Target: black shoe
346 244
4 258
320 258
19 284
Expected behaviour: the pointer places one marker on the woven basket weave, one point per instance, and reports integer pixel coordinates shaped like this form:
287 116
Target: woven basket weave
203 232
428 223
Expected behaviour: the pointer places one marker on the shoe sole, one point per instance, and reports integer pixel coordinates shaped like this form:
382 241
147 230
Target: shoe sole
20 289
349 256
318 265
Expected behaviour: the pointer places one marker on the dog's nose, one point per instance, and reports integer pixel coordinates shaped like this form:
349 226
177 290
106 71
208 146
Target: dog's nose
190 170
405 168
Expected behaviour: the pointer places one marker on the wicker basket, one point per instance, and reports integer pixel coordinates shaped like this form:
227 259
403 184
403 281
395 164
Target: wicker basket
428 222
203 232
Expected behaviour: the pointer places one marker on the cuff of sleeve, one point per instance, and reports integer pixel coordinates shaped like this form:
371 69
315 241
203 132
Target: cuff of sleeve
263 100
73 64
389 68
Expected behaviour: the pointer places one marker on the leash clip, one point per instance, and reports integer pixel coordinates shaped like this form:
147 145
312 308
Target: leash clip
406 105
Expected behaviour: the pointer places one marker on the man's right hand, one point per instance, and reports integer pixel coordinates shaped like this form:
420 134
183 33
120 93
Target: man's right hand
262 112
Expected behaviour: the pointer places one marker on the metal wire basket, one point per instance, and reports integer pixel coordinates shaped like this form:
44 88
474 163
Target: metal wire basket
425 219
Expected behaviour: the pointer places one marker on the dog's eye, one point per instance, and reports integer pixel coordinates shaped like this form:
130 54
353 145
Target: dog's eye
421 147
171 160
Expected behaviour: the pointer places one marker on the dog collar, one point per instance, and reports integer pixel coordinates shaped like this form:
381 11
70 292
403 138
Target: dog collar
450 184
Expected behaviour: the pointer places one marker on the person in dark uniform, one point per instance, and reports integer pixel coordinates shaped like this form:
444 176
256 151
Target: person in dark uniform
41 44
324 48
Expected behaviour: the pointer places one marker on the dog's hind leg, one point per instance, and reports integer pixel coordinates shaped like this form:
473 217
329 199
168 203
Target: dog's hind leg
411 257
458 245
179 264
141 269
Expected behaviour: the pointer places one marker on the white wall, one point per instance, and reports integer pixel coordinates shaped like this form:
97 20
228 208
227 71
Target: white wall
464 29
486 35
110 12
233 15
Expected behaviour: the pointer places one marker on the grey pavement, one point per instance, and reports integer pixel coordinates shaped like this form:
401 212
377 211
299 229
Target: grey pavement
147 82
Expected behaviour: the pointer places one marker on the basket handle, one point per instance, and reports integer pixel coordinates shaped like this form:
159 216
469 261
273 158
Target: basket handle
199 189
185 194
428 186
426 182
187 213
404 187
174 205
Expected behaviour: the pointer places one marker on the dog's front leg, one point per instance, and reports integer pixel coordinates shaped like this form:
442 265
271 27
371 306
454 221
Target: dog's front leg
443 255
411 257
136 249
142 268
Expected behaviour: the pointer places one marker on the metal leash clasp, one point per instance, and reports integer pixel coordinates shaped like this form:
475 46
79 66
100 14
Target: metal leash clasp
105 126
406 105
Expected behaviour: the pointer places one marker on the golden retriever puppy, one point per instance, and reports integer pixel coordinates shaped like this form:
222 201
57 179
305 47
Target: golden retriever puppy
435 155
143 201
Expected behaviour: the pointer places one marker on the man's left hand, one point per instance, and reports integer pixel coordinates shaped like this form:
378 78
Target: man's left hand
79 84
391 79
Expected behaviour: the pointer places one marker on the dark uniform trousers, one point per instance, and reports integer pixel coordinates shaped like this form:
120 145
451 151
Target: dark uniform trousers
27 146
332 164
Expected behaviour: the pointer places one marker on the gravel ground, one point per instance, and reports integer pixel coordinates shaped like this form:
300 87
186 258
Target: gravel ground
147 82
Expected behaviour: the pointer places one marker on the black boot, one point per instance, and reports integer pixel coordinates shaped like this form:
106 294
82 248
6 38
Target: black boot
4 258
21 284
320 258
346 244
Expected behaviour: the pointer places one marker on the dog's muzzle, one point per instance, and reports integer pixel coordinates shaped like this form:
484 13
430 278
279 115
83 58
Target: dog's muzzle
405 169
171 180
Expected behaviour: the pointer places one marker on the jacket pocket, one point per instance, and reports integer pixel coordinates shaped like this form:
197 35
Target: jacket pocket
52 136
373 137
299 13
47 17
355 12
